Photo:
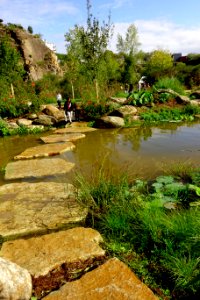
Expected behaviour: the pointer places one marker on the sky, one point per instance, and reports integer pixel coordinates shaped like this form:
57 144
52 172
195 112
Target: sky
171 25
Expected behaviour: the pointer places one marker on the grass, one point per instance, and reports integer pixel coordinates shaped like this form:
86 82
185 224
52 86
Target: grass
160 245
170 83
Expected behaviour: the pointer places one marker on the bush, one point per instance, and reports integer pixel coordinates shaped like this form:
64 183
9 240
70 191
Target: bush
170 83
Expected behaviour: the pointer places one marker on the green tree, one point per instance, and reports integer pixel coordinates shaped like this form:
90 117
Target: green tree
160 64
130 44
30 29
89 44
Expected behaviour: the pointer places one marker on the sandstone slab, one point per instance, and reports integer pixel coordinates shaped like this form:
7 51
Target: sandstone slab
35 208
74 129
15 282
112 280
45 150
57 138
53 256
37 168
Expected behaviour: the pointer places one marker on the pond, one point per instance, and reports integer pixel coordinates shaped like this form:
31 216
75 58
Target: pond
143 150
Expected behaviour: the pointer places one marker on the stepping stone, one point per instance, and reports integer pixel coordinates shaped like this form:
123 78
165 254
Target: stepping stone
57 138
112 280
45 150
38 208
74 129
37 168
53 258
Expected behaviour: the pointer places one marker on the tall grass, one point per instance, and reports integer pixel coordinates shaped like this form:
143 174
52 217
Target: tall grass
162 246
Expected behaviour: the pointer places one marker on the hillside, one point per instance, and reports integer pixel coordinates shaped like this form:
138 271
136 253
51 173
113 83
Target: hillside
36 57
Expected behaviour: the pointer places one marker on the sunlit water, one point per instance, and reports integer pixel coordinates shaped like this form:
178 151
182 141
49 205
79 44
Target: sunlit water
145 151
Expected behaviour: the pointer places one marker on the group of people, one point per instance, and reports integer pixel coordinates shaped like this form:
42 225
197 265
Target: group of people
69 108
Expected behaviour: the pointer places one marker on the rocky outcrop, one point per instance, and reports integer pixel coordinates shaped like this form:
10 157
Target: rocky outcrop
125 111
37 168
15 282
37 57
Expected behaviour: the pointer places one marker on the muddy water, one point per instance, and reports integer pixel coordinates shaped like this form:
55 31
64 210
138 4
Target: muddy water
145 150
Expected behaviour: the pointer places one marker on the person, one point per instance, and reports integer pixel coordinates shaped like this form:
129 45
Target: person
59 100
142 83
68 110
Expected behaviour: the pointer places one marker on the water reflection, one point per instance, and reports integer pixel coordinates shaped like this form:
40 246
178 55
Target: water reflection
144 149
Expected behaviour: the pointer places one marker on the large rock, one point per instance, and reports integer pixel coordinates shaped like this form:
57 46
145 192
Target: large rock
15 282
118 100
112 280
110 122
45 150
74 129
54 258
57 138
45 120
124 111
53 111
23 122
37 168
35 208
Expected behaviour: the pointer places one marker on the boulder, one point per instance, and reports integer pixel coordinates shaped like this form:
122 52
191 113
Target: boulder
45 150
54 258
118 100
15 282
45 120
112 280
57 138
38 208
23 122
124 111
53 111
110 122
12 125
37 168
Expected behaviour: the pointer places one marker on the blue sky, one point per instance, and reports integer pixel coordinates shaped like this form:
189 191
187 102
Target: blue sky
172 25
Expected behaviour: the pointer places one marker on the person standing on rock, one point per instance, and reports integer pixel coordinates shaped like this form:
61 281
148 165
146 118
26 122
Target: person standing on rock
68 109
59 100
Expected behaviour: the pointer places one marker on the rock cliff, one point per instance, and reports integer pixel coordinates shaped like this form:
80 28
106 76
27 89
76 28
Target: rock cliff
37 58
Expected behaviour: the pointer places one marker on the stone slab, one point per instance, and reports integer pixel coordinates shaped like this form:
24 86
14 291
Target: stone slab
45 150
35 208
74 129
37 168
40 255
57 138
112 280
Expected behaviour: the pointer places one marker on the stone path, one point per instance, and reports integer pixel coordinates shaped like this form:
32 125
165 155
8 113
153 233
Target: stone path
59 255
37 168
38 208
57 138
45 150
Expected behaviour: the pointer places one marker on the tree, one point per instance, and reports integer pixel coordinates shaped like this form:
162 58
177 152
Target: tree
30 29
130 44
160 64
89 45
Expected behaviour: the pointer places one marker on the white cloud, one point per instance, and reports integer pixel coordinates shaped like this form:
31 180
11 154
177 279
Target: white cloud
154 34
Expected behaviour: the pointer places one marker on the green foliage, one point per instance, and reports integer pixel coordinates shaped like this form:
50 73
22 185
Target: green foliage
166 114
170 83
93 110
160 244
3 128
140 98
159 64
130 43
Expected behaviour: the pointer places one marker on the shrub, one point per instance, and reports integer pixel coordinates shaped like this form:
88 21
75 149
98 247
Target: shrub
170 83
